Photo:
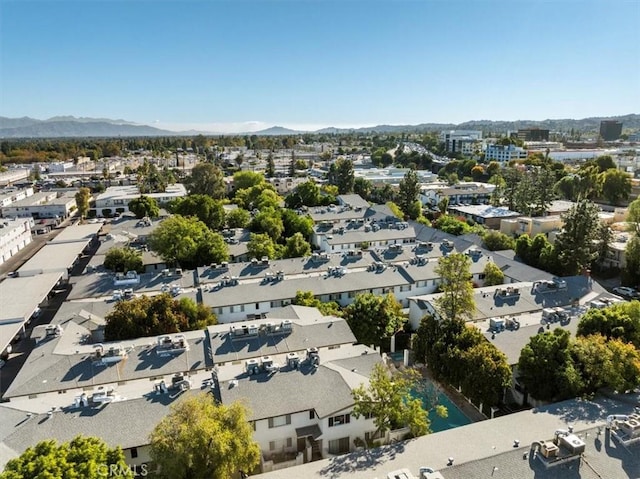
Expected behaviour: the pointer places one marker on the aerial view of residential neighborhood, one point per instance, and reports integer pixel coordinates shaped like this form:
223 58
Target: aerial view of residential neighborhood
320 239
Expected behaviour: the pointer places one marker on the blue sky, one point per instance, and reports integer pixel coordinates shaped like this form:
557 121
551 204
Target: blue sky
224 65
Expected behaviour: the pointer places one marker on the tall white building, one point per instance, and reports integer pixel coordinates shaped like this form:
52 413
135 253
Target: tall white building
504 153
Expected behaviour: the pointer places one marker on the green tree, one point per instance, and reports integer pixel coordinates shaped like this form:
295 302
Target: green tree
260 245
576 244
238 218
271 166
493 275
341 174
374 318
631 272
389 401
620 321
188 242
270 222
200 439
144 206
493 168
152 316
294 223
633 217
305 194
82 457
205 208
246 179
612 363
123 259
546 368
83 196
496 241
297 247
206 179
408 195
362 187
306 298
616 186
456 301
604 163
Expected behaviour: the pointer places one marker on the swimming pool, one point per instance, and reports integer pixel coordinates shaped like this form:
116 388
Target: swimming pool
455 417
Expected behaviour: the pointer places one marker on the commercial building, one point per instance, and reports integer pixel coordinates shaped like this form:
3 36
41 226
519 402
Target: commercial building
503 154
464 142
115 199
48 204
610 130
533 134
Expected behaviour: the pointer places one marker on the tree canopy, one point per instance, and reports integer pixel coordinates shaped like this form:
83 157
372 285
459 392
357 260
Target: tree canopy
205 208
619 321
188 242
496 241
493 275
82 457
123 259
206 179
616 186
201 439
152 316
576 245
461 356
456 301
144 206
373 318
389 401
408 195
306 298
83 196
341 174
553 367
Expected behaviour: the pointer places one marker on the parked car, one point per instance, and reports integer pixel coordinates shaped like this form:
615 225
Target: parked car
626 292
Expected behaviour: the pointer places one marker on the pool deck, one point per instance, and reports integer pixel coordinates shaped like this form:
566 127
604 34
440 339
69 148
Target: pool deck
456 398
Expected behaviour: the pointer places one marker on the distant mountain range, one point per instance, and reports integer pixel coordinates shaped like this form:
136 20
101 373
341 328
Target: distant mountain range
72 127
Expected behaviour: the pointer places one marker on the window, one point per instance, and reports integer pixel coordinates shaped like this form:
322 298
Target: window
257 305
279 421
406 287
482 276
134 452
339 446
335 346
339 420
312 414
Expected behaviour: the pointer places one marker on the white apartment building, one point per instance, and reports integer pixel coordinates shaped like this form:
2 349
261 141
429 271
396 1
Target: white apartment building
49 204
11 195
503 154
115 199
15 234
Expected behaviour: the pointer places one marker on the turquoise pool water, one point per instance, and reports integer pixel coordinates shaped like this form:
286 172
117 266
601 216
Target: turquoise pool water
455 418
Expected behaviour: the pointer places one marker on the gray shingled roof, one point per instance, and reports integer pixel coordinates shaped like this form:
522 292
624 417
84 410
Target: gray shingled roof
286 289
225 348
290 391
125 423
45 371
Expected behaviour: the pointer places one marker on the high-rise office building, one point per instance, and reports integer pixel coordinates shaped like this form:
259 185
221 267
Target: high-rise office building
610 130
